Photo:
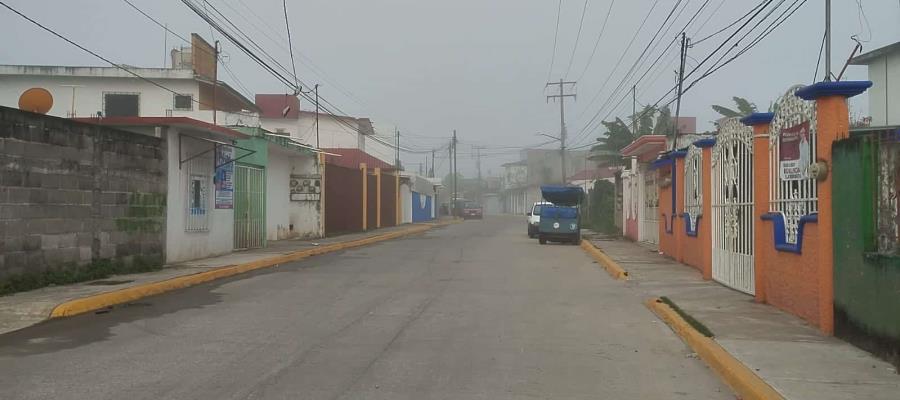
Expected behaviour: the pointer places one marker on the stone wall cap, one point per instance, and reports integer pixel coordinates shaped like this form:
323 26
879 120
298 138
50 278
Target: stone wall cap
841 88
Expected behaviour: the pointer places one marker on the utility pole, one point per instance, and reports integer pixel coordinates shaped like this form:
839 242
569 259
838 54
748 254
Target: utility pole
397 150
478 165
684 44
215 81
634 110
562 121
431 171
317 114
827 40
455 192
166 46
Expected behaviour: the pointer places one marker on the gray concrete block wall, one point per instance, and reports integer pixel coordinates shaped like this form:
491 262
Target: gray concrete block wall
74 193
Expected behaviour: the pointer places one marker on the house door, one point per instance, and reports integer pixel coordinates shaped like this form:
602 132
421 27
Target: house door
732 207
249 207
649 229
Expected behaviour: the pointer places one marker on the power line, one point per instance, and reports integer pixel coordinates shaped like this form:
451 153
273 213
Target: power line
555 38
577 38
583 133
228 70
621 57
726 27
95 54
287 27
597 42
715 67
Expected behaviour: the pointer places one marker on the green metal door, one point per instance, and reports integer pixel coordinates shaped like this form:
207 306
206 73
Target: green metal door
249 207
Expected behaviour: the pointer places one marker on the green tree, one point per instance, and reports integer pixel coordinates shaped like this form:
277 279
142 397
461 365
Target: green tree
664 122
609 145
645 120
448 180
744 107
602 208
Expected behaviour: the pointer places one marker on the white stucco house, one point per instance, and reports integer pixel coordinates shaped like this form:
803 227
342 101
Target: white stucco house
282 114
189 89
884 72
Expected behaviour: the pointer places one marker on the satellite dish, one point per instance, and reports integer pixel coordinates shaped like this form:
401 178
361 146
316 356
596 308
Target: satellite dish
36 100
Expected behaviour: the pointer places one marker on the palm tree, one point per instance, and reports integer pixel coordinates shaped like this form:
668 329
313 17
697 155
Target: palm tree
609 145
744 107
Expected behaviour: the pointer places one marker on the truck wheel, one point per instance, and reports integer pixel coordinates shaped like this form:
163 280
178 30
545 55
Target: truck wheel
541 240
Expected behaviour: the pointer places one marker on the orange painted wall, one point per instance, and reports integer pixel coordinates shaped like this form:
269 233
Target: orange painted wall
763 242
667 243
678 222
803 284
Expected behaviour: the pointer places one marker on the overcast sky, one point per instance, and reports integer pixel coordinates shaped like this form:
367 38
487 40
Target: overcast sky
478 66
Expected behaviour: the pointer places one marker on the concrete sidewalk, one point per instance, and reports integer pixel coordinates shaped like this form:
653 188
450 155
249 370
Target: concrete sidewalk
791 356
24 309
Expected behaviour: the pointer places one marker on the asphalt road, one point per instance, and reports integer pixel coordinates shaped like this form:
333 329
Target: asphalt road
471 311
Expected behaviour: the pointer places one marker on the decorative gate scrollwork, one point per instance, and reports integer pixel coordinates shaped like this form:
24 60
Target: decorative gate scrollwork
792 147
732 206
693 187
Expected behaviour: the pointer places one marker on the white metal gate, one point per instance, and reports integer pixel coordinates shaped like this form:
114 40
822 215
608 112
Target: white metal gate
732 206
249 207
649 229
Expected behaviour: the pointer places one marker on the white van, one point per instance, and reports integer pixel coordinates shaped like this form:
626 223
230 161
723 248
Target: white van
534 218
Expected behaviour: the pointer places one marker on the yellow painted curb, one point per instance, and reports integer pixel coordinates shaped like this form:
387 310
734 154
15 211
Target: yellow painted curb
102 300
745 383
611 266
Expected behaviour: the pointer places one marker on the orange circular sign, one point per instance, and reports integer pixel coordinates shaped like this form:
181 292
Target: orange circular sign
36 100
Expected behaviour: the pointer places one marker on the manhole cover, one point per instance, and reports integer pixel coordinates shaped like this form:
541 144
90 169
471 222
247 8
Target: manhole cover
109 282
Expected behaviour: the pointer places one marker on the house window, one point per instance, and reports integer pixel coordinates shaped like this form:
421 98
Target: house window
121 104
184 102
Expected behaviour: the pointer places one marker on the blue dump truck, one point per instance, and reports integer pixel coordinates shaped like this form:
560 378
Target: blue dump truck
561 221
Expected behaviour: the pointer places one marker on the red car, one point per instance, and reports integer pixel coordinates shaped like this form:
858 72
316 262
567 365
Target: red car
472 210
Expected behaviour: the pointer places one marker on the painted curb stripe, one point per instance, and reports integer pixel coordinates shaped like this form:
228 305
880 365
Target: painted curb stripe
745 383
103 300
612 267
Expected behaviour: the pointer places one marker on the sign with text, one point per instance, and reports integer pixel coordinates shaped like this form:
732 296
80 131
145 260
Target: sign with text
794 152
225 177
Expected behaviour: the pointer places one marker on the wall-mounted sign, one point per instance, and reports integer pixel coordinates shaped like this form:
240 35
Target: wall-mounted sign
224 177
794 152
306 187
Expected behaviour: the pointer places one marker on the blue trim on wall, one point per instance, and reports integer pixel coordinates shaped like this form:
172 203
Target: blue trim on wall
659 163
758 118
687 224
781 243
679 153
421 212
669 223
842 88
709 142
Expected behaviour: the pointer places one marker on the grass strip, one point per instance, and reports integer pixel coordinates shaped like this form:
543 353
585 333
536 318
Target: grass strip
687 317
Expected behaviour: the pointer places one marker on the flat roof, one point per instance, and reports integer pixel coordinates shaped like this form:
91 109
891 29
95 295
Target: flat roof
178 122
95 71
119 72
867 58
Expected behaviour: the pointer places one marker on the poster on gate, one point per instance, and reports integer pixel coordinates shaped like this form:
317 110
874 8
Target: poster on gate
794 152
224 177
